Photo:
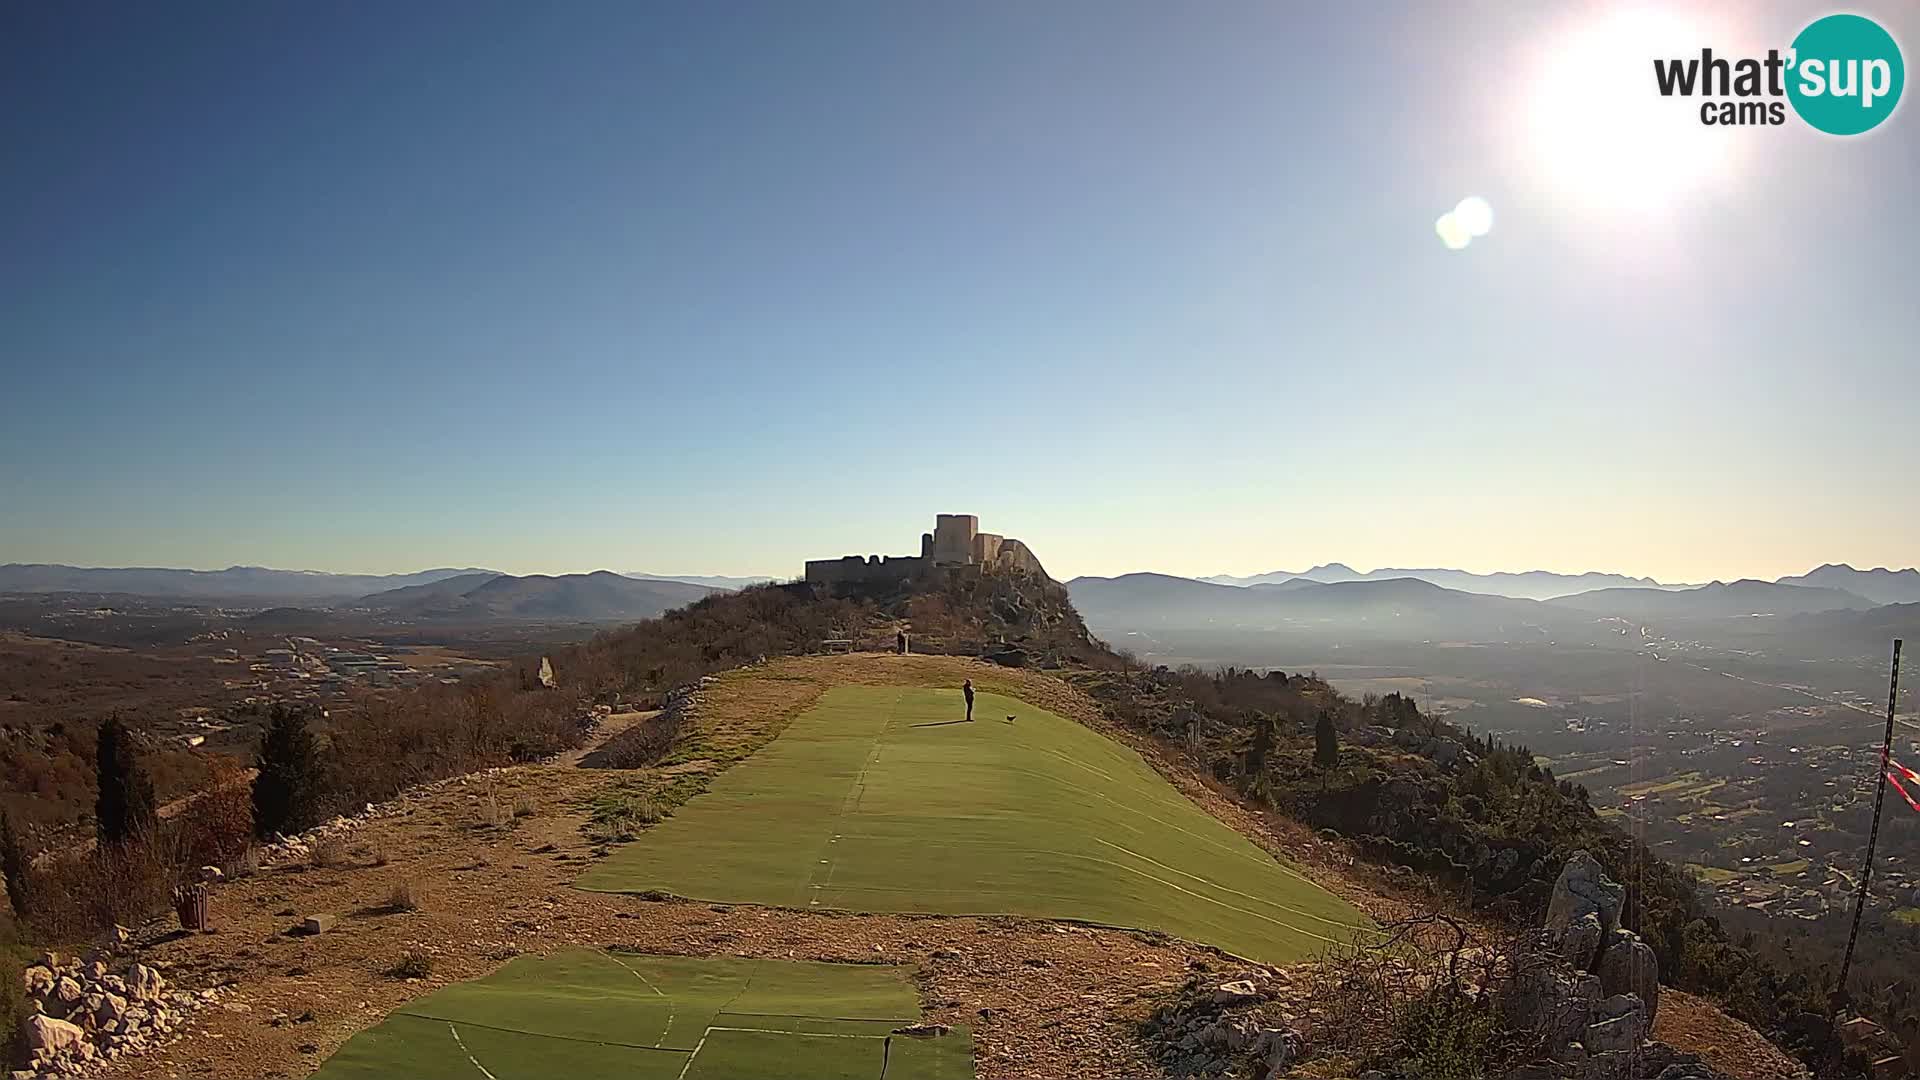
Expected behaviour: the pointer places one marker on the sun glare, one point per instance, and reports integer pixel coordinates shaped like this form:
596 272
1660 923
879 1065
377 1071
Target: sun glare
1599 133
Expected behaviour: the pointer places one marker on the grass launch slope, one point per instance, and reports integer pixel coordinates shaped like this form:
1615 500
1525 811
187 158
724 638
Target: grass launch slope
881 799
597 1016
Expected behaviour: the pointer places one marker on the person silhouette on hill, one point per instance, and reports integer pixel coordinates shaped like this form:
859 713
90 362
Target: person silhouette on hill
966 688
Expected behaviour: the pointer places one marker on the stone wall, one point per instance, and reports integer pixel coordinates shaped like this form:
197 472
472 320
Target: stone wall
864 570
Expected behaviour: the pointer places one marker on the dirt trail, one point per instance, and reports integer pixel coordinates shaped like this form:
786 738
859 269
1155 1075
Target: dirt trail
610 725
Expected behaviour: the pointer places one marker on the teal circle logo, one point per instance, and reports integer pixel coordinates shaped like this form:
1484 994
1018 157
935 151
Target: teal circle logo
1846 74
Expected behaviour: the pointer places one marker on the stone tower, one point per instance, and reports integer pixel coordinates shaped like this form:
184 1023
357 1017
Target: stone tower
953 539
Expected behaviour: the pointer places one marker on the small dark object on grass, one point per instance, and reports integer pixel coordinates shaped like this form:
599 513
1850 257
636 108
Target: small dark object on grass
1009 718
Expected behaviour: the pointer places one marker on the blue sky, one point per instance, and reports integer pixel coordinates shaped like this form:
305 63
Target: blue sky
717 288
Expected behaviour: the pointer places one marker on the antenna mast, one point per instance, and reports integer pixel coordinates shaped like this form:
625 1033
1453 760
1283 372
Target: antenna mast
1873 835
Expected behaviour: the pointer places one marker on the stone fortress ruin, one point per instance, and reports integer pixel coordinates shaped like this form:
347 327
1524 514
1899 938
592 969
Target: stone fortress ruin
956 542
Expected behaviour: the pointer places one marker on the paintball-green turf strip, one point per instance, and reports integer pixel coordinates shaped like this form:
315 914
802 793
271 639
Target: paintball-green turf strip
883 799
591 1015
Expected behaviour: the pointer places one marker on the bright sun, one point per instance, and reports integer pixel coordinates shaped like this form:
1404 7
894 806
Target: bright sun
1598 132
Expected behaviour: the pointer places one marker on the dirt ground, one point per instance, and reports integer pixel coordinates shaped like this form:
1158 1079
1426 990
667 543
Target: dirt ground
488 860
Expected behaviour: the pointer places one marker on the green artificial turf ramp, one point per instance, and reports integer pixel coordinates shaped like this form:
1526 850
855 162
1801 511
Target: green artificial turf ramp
591 1015
883 799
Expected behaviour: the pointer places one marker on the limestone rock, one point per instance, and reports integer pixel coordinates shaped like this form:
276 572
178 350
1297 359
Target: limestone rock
37 981
54 1036
1553 1001
1238 992
1582 889
144 983
1629 966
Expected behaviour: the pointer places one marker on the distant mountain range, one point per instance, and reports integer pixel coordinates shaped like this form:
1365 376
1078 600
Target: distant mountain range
233 583
713 581
1398 607
599 596
1716 601
1413 609
1529 585
1880 585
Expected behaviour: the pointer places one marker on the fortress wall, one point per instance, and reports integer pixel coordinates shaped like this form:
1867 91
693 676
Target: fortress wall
868 570
986 547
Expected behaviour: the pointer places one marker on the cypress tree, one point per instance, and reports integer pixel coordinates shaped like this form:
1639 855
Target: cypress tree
286 793
1326 741
13 863
125 808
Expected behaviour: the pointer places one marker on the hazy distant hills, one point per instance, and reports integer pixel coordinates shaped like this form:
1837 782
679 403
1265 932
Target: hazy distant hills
1529 585
1716 601
1880 585
233 583
1397 606
1413 609
714 581
599 596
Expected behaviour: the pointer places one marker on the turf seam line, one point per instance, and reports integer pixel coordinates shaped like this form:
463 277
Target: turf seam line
852 801
1236 892
540 1034
796 1034
668 1029
474 1061
835 1019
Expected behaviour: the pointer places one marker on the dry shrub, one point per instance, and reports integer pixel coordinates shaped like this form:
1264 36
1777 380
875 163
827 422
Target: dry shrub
407 895
1425 992
330 853
78 896
413 964
217 827
524 806
244 865
619 816
492 812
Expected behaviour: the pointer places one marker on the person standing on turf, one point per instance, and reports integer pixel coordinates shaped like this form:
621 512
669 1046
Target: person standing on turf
966 688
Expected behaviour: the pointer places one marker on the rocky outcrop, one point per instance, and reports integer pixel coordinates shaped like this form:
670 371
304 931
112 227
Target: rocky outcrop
1584 911
1589 990
1629 966
97 1009
1229 1027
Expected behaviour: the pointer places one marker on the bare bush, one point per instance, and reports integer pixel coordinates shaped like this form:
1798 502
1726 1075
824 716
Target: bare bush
217 826
77 896
407 895
1425 992
413 964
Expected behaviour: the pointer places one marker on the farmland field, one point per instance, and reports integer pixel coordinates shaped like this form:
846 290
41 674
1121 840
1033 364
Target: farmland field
882 799
599 1015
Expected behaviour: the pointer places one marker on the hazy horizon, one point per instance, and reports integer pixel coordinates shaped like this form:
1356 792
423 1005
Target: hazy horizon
672 287
795 572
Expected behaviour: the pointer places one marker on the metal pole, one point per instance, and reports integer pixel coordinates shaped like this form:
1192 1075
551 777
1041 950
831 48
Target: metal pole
1873 836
